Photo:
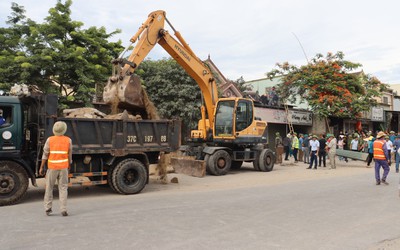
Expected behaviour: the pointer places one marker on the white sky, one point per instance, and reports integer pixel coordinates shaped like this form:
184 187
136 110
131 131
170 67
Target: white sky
247 38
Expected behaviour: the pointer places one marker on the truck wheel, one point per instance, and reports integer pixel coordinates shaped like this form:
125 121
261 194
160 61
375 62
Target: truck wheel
266 160
110 179
129 176
236 164
219 162
13 182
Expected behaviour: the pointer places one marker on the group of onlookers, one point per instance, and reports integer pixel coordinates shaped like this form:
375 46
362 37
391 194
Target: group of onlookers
309 149
382 147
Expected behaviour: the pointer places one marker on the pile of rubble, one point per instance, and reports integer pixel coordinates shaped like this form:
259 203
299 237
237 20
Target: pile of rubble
96 114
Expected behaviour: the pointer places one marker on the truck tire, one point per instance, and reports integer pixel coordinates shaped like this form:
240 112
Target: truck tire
129 176
13 182
236 165
266 160
110 179
219 162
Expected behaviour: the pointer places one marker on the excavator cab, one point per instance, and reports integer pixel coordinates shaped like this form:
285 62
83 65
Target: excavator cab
234 117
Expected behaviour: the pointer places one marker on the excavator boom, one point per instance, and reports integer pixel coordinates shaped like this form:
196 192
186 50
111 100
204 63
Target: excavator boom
120 86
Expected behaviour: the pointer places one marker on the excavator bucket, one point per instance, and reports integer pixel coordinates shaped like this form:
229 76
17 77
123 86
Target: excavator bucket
189 166
184 164
129 94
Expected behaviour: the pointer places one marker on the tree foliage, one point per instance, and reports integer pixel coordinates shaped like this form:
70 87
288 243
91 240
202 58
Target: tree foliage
240 83
174 93
58 56
329 85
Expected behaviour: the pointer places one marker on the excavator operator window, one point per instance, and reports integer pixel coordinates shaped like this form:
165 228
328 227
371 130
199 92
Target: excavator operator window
244 114
224 118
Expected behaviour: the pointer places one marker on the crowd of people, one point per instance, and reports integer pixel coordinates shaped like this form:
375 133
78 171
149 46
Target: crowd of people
310 149
383 148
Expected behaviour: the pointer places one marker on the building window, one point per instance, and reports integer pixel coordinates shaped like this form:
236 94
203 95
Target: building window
385 100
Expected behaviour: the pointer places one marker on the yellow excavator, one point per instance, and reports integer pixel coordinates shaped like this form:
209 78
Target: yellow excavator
228 132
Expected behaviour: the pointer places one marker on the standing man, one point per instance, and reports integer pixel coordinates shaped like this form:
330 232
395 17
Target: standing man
314 145
306 149
286 146
57 152
301 153
331 146
295 146
396 146
382 158
322 152
278 147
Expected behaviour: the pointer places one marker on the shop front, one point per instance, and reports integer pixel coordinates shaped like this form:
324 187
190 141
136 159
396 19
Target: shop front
278 122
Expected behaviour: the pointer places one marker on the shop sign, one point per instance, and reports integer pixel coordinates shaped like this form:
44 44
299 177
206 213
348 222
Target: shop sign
377 114
279 116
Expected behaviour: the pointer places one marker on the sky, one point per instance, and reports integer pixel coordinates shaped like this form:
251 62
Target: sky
247 38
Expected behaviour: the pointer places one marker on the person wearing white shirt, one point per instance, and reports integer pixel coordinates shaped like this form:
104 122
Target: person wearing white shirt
314 146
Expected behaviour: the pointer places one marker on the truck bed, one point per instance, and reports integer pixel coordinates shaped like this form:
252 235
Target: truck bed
122 137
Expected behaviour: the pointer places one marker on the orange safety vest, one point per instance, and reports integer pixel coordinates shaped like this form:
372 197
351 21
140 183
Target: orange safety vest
378 150
59 148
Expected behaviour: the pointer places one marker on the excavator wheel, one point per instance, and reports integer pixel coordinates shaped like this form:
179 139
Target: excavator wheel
206 159
256 162
219 163
13 182
266 160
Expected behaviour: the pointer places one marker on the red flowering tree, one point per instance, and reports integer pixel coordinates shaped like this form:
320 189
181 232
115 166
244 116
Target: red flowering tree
329 85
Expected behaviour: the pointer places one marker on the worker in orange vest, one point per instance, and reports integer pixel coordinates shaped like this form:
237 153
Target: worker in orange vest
382 158
57 152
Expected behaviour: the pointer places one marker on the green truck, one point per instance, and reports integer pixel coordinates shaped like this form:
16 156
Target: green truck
105 151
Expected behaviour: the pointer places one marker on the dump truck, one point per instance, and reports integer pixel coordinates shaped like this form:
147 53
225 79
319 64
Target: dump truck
228 132
116 152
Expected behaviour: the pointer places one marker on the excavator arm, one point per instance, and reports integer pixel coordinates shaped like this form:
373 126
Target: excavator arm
152 32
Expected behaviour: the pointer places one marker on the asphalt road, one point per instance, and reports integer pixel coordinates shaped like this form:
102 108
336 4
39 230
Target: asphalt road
288 208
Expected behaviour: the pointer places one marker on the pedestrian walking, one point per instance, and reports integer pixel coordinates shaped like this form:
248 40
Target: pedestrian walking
57 152
314 147
331 146
370 151
382 158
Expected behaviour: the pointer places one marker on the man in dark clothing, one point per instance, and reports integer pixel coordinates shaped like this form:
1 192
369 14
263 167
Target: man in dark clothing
322 152
286 146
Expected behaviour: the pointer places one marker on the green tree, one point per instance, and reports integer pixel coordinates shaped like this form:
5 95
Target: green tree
329 85
58 55
174 93
240 83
